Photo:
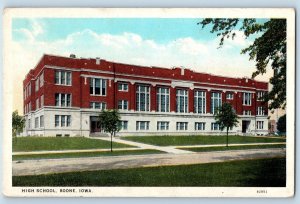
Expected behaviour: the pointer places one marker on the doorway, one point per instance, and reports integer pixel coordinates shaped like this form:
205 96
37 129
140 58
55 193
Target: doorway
245 125
95 126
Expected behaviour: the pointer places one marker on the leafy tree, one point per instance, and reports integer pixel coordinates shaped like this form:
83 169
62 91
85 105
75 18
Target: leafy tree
281 124
269 47
110 122
226 117
18 123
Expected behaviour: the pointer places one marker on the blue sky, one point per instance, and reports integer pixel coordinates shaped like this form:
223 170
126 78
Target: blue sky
161 30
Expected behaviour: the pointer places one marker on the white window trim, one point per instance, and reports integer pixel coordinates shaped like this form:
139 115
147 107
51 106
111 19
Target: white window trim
123 105
166 125
123 84
213 127
249 99
231 96
198 96
212 98
167 102
138 105
101 104
138 125
65 96
178 126
94 86
202 125
185 102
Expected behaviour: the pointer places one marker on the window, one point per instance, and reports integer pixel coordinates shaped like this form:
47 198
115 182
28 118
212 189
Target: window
62 100
181 101
98 87
37 103
215 126
98 105
162 125
122 86
37 84
62 120
63 78
42 101
260 125
260 95
216 101
260 111
124 124
142 125
42 79
199 102
29 106
36 122
163 100
181 126
229 96
199 126
142 98
247 99
41 121
247 112
123 105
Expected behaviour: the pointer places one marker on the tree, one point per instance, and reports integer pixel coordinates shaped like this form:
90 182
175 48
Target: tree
226 117
18 123
110 122
281 124
269 47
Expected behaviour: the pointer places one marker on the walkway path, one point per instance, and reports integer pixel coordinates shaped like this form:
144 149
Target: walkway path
48 166
139 146
168 149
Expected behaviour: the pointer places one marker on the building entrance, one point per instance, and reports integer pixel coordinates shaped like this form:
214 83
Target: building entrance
245 125
95 126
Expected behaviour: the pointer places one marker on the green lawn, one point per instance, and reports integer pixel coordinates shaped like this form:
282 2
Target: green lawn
57 143
199 140
247 173
86 154
209 149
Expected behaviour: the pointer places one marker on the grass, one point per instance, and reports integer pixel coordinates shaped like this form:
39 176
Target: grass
199 140
223 148
56 143
86 154
246 173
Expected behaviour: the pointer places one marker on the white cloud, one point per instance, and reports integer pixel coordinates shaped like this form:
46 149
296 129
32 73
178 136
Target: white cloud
131 48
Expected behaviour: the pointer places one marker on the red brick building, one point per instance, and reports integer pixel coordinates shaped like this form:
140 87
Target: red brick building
64 95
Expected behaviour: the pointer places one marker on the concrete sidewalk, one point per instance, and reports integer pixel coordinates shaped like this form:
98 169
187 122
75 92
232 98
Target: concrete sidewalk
49 166
167 149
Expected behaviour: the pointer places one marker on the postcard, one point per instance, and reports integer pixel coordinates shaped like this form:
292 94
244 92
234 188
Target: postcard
149 102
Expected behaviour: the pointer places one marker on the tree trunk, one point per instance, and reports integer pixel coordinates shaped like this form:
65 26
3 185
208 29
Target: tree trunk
111 134
227 138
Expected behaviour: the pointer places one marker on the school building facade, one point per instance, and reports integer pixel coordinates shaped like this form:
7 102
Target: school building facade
63 96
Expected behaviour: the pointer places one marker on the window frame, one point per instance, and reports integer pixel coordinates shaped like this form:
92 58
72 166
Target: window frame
122 85
200 108
182 95
214 98
145 95
163 95
247 99
63 74
146 125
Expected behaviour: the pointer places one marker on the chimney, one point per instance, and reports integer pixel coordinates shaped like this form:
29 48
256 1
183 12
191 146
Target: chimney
72 55
182 70
98 60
